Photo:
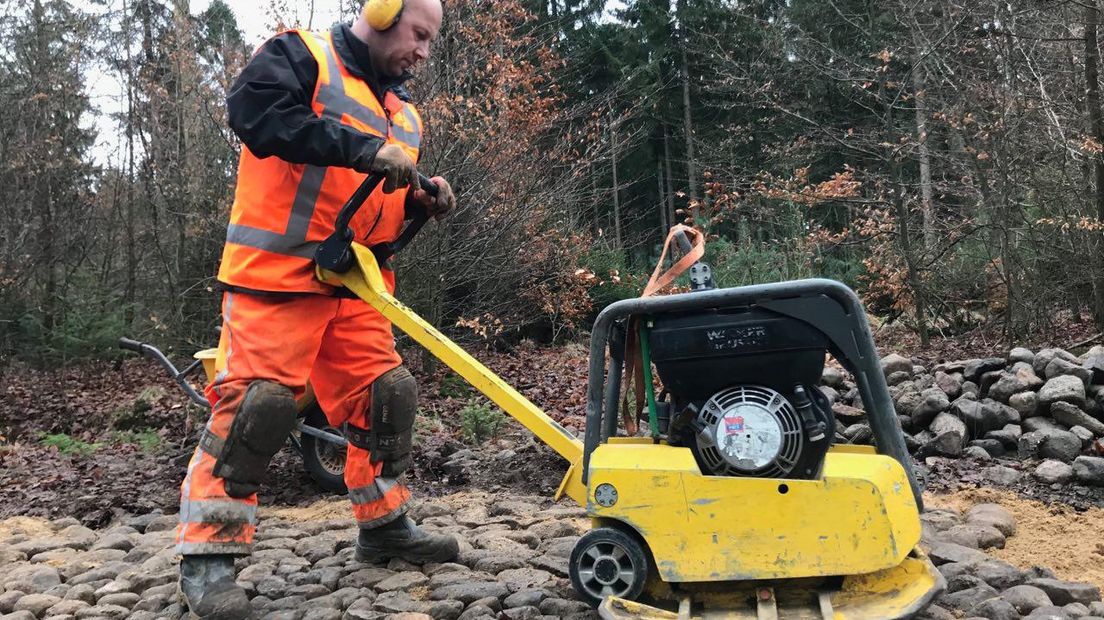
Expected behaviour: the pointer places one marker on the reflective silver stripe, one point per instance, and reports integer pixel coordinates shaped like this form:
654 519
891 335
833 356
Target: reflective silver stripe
217 511
372 492
228 548
385 519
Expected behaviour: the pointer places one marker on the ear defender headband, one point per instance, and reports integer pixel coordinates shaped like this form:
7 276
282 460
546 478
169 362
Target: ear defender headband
382 14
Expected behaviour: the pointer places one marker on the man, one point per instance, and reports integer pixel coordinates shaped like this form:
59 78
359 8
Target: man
315 112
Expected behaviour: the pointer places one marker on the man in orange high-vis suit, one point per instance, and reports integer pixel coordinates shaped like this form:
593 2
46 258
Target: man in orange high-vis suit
316 112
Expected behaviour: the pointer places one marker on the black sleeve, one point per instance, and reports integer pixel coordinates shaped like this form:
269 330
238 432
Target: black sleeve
269 108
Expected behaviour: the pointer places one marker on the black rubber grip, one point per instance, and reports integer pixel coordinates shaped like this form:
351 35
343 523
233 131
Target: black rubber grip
130 345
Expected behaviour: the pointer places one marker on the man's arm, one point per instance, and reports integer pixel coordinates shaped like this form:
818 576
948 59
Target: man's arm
270 110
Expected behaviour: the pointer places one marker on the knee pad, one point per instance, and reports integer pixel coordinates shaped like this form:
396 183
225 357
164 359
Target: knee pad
391 435
261 425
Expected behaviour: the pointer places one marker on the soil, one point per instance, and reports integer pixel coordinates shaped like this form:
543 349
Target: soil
944 475
1053 535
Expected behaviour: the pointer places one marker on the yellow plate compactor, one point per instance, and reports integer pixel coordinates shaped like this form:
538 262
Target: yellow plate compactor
737 505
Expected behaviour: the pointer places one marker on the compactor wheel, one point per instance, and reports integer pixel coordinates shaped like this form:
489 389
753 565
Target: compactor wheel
608 562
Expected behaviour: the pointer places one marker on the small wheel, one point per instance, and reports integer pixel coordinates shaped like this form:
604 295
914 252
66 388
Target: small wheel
608 562
324 460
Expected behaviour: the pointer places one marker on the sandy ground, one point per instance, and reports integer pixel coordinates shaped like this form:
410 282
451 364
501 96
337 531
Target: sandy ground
1069 542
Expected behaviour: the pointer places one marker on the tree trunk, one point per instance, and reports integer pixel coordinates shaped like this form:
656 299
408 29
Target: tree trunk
664 225
616 187
667 175
924 154
688 128
1096 130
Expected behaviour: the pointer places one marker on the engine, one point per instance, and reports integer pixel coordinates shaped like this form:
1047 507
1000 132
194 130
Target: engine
741 391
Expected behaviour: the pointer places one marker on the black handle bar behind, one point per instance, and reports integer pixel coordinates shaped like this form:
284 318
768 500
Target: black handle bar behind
180 376
335 254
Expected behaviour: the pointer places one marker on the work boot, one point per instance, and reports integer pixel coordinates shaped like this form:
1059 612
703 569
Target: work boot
208 587
402 539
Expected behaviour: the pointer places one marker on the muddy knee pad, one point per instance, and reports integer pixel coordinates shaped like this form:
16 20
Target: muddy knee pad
261 425
394 404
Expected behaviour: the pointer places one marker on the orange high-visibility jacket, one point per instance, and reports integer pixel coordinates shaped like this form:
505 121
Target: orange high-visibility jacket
282 210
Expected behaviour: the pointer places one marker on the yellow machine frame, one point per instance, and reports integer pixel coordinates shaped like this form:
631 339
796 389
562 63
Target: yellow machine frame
859 520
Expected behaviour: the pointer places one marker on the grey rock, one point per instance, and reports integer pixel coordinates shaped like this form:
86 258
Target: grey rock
980 417
1052 471
1059 367
896 363
1044 357
992 515
8 600
396 602
973 369
1027 403
831 377
65 607
1096 609
1002 475
944 552
365 578
563 607
477 612
1026 598
963 581
995 609
950 384
1089 470
1010 383
1071 415
469 592
402 581
969 390
103 611
933 401
999 574
1050 443
527 612
975 536
18 615
1094 363
525 598
1062 388
898 378
969 598
1020 354
520 579
36 603
1065 592
1009 436
1077 610
1084 434
979 453
122 599
950 436
1031 425
992 448
31 578
444 610
81 592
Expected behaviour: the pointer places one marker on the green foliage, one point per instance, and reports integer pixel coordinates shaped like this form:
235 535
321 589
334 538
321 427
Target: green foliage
480 421
146 438
454 386
427 424
68 445
133 416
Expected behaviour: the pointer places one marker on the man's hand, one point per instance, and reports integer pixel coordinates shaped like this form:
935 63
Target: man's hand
398 168
437 207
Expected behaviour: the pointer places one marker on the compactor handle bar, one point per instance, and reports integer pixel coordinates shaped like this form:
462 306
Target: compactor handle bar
180 376
334 253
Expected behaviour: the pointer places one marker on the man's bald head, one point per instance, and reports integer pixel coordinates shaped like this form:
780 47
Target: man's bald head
404 45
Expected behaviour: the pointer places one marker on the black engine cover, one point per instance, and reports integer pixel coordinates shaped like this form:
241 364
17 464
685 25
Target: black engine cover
701 353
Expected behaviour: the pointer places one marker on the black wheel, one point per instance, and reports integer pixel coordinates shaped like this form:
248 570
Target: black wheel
324 460
608 562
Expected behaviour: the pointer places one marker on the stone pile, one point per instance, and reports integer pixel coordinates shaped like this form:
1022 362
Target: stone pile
1046 407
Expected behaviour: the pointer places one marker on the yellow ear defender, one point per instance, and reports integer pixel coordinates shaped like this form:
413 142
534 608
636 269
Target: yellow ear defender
382 14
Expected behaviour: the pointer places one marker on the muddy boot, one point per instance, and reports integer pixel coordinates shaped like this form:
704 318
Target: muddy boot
402 539
208 588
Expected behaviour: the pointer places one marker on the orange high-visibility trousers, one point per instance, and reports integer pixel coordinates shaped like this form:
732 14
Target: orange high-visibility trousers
341 346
